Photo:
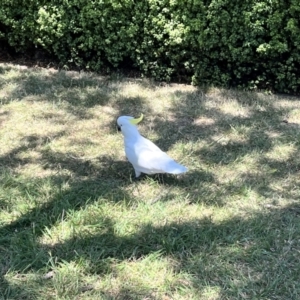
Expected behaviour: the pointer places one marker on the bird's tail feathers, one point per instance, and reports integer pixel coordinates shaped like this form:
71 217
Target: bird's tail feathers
177 169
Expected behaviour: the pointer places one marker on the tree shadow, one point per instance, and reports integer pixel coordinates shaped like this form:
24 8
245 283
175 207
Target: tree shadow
87 181
231 135
238 247
75 92
8 289
20 239
247 249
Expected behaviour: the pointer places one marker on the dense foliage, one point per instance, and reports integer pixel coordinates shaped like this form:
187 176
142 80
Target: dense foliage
252 43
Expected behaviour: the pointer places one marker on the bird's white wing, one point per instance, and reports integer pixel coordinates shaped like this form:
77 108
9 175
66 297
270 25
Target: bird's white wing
149 159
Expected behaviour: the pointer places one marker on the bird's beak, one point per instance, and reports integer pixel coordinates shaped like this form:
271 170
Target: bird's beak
119 128
136 121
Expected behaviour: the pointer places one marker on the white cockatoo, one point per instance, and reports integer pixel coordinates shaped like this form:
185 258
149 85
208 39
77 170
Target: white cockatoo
145 156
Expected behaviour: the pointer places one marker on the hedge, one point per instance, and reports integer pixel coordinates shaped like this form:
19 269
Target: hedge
251 43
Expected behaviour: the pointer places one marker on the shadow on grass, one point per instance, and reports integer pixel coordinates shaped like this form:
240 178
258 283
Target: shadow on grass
206 249
261 127
75 92
239 256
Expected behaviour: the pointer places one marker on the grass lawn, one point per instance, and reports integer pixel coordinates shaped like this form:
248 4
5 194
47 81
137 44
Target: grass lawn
75 225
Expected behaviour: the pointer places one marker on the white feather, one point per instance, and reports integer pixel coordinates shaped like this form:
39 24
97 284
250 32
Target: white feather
144 155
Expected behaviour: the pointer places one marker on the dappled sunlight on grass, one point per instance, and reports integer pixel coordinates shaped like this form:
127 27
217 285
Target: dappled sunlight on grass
282 152
70 207
157 271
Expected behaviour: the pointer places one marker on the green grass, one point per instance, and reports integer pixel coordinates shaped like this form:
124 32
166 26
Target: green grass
75 225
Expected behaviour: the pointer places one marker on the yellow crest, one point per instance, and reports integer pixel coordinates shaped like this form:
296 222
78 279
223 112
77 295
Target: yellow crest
136 121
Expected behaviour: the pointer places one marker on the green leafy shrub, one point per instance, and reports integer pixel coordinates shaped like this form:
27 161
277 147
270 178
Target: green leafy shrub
252 44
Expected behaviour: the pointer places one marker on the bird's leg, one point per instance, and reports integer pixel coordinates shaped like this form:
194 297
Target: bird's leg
140 176
137 173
